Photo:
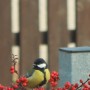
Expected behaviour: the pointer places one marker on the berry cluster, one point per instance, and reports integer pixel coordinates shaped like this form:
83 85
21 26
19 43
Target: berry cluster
23 81
85 85
12 87
54 77
20 83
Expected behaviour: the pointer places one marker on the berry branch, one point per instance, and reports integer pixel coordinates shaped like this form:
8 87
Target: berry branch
22 82
83 83
14 62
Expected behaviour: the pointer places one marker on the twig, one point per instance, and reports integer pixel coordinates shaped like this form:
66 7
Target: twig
14 58
83 84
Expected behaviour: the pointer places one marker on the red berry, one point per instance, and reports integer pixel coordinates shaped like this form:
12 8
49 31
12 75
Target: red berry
53 84
67 85
1 87
15 86
81 81
12 69
76 85
24 84
25 79
85 86
18 81
73 88
89 82
52 75
8 88
22 79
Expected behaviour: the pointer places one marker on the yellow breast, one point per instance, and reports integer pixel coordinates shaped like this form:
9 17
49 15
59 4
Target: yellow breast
37 77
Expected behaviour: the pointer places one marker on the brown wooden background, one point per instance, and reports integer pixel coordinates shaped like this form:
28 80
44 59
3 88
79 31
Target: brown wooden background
30 38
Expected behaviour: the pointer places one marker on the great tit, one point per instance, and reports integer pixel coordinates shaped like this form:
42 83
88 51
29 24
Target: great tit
40 75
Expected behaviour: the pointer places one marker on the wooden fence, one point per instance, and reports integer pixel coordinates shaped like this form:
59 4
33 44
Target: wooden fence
29 37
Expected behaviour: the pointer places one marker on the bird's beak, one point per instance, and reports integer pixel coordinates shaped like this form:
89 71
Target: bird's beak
34 65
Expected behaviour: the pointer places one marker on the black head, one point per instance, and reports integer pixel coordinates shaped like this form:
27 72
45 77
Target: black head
39 64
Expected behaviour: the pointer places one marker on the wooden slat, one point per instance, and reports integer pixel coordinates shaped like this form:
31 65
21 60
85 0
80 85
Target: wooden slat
83 22
58 35
5 42
29 33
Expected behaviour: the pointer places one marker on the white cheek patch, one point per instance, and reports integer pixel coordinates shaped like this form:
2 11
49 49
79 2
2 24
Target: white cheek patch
42 65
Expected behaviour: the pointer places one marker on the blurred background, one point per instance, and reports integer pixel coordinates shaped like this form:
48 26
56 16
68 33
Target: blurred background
38 28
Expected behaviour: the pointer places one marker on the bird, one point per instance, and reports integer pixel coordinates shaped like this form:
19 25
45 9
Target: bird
40 74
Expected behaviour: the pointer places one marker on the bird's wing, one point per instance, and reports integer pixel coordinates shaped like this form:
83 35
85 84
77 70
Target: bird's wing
29 73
